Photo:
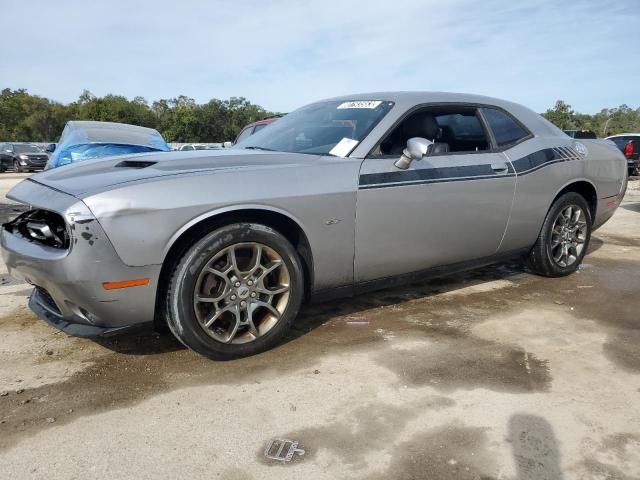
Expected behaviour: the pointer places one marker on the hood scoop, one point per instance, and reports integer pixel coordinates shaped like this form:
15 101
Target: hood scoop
135 164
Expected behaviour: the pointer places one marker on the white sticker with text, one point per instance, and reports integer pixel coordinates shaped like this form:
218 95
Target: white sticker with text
360 104
344 147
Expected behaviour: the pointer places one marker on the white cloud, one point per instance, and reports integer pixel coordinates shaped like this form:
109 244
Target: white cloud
282 54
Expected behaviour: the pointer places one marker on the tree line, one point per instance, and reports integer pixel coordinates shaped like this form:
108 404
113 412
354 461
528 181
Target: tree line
608 121
31 118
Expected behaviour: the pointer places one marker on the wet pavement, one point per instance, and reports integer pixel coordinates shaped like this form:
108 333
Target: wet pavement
492 374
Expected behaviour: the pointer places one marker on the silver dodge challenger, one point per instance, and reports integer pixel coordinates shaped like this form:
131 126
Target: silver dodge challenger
338 197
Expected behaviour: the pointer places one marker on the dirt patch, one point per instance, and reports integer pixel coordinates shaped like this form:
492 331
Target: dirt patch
467 363
616 456
371 428
451 452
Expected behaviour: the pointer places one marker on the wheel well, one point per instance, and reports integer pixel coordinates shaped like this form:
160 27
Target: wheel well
279 222
587 191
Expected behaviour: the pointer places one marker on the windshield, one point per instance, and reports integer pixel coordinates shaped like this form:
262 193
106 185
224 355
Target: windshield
334 128
18 148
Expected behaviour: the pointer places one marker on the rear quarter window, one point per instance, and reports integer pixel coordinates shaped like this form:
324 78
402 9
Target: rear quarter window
505 129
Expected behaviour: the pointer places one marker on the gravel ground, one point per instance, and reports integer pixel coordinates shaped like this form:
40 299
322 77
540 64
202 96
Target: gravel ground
493 374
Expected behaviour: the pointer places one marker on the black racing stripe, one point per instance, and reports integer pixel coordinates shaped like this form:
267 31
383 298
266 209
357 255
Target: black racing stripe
522 166
426 174
535 160
423 182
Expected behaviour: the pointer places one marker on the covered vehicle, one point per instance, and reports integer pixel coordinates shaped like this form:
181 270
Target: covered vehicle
82 140
340 196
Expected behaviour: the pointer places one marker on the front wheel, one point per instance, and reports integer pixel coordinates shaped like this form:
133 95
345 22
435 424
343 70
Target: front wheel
564 237
17 167
235 292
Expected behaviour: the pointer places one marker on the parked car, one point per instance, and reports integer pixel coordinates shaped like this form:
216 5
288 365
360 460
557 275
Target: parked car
194 146
255 127
581 134
22 157
83 140
338 197
629 145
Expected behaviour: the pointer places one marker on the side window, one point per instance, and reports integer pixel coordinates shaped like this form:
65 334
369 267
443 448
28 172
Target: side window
453 129
244 134
462 131
505 130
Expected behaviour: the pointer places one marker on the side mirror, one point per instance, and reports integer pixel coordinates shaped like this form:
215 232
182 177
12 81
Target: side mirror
227 145
417 148
50 148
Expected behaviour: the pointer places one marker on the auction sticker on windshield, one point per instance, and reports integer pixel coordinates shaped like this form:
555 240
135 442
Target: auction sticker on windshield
360 104
344 147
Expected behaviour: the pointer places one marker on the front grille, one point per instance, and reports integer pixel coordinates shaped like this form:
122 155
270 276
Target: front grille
41 226
46 300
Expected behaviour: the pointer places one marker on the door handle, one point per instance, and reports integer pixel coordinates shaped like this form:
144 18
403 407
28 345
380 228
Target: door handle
500 167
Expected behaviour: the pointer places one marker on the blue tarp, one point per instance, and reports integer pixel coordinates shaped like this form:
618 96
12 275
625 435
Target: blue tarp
82 140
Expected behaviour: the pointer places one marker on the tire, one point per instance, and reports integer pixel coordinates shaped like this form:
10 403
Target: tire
3 169
200 270
543 258
17 167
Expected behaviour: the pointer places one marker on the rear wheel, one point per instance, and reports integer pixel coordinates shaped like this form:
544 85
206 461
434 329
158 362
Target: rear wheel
235 292
564 237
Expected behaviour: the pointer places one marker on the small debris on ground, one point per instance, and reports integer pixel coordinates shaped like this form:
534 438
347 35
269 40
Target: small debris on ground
4 394
316 372
51 420
282 450
357 323
19 391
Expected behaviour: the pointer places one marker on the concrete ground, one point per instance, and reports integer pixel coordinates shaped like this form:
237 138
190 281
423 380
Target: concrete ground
494 374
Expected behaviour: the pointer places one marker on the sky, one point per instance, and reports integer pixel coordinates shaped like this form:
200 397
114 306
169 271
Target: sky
282 54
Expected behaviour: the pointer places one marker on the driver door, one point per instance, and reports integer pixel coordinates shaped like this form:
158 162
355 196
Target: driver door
444 209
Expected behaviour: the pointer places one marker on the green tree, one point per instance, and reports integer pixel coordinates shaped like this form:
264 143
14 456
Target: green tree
561 115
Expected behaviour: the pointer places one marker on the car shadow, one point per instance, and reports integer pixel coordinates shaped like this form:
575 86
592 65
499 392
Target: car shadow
595 244
312 316
632 207
143 343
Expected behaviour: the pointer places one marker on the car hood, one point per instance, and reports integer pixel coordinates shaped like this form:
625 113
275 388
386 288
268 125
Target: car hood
91 176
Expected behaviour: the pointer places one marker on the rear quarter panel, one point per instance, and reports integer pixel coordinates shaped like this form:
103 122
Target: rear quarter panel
603 167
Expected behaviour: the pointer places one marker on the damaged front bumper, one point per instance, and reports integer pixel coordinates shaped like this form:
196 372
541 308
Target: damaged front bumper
68 276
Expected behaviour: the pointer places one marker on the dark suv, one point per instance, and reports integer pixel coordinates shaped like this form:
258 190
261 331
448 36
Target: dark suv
22 157
578 134
629 145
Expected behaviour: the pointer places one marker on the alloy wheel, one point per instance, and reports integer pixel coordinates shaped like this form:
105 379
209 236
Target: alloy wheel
242 292
568 236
